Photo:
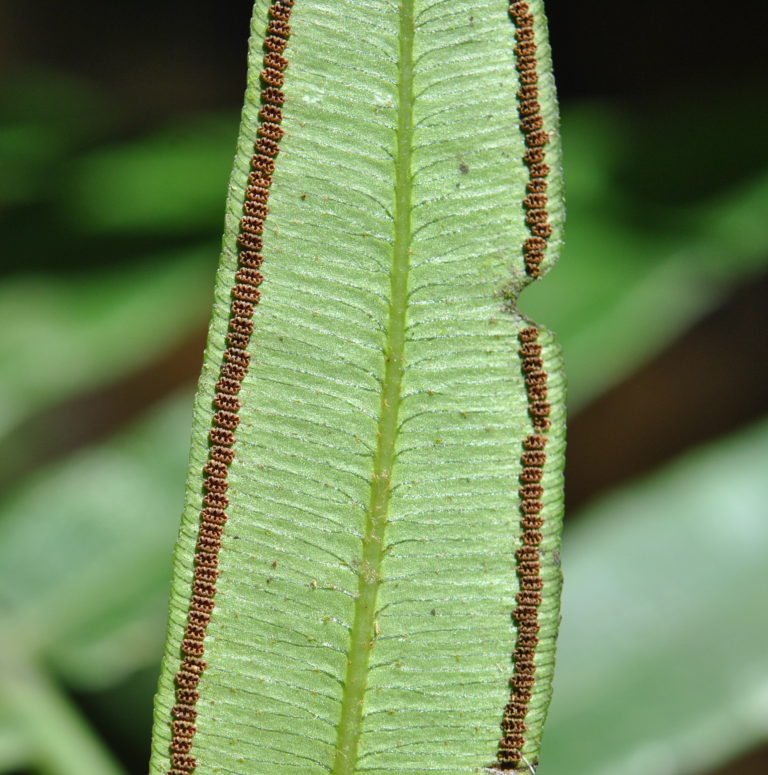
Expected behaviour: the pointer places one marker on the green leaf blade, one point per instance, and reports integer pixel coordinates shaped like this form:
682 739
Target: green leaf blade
367 574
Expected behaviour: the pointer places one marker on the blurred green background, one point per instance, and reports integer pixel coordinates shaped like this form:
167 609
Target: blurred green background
117 130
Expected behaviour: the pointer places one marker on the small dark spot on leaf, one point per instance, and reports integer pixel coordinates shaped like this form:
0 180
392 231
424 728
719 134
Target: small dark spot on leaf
463 168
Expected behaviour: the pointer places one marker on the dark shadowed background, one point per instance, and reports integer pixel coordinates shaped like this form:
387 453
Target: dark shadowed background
117 130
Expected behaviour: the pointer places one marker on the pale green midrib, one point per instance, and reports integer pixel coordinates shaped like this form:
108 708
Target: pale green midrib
362 635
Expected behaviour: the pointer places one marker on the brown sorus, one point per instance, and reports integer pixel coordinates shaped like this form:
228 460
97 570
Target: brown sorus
232 371
530 582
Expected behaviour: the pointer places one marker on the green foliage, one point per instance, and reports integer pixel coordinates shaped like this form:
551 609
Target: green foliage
711 229
633 263
79 323
55 525
83 574
188 170
661 643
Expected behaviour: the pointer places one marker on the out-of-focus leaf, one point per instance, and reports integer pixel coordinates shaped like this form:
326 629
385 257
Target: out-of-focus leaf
43 117
60 335
631 265
84 550
662 664
172 181
57 739
14 750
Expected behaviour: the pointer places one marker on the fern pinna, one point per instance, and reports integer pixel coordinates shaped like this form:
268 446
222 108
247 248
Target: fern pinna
367 574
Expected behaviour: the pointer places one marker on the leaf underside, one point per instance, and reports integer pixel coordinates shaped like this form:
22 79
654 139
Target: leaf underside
367 572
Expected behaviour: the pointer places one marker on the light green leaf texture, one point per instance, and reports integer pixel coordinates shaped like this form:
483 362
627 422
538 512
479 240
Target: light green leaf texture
367 573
